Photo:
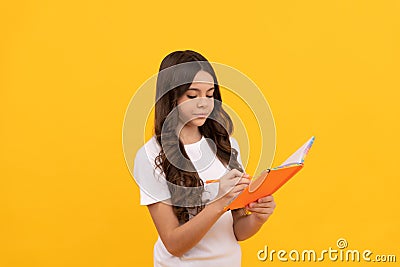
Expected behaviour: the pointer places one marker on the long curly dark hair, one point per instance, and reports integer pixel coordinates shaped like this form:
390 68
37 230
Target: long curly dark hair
168 89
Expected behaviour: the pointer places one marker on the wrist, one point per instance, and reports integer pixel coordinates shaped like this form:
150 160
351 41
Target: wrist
217 205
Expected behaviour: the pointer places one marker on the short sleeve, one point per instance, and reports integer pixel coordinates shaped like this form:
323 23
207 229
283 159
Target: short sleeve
235 145
153 185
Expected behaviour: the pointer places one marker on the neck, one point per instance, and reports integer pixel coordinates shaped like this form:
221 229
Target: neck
189 134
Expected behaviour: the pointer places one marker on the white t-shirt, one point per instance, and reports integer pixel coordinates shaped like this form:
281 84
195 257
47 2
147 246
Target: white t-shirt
219 246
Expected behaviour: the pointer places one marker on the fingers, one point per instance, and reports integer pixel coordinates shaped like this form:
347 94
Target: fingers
262 205
235 177
239 188
255 205
265 199
234 174
233 183
240 185
262 210
244 181
236 190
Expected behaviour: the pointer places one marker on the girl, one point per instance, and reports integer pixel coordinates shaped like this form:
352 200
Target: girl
192 143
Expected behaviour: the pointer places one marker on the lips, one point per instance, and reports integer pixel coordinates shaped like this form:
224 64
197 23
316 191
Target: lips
200 115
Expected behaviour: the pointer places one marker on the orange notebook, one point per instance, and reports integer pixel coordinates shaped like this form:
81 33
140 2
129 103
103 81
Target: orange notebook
271 180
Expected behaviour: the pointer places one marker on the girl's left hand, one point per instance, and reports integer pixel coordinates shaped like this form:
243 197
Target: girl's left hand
262 208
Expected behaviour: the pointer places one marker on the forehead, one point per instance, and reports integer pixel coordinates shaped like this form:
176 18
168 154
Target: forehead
203 77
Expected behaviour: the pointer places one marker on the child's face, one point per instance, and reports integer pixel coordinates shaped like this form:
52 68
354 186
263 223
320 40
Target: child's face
197 103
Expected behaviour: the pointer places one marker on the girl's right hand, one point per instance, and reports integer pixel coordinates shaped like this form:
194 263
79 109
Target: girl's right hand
230 185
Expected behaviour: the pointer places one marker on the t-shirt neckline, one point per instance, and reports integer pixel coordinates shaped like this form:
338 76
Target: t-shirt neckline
195 143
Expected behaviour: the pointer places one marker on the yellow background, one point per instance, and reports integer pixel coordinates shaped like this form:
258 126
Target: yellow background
69 69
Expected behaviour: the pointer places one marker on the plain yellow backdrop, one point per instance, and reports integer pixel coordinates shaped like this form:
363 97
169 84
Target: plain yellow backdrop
68 70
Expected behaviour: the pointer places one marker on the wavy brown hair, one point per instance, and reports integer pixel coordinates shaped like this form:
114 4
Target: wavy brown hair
172 82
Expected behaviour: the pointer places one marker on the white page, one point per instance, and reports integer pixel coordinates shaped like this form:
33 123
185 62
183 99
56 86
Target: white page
298 156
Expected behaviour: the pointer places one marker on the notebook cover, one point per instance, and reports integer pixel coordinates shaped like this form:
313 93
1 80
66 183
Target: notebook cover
272 181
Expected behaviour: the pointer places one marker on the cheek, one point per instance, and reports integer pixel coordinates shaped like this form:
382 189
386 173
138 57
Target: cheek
185 108
211 105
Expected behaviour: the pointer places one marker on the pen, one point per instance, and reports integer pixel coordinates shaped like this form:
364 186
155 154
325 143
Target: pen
212 181
217 180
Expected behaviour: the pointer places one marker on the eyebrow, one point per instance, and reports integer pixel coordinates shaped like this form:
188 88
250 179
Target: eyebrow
196 89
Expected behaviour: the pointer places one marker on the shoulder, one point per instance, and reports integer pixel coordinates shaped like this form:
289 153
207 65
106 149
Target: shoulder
149 151
152 183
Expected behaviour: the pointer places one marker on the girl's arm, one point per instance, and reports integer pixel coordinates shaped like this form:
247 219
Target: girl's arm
178 239
245 226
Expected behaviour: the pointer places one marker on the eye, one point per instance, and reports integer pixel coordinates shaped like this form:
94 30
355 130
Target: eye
210 96
191 96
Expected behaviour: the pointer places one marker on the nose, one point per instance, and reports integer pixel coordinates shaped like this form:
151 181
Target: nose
202 102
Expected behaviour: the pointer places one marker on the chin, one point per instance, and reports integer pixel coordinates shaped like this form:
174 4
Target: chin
199 121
